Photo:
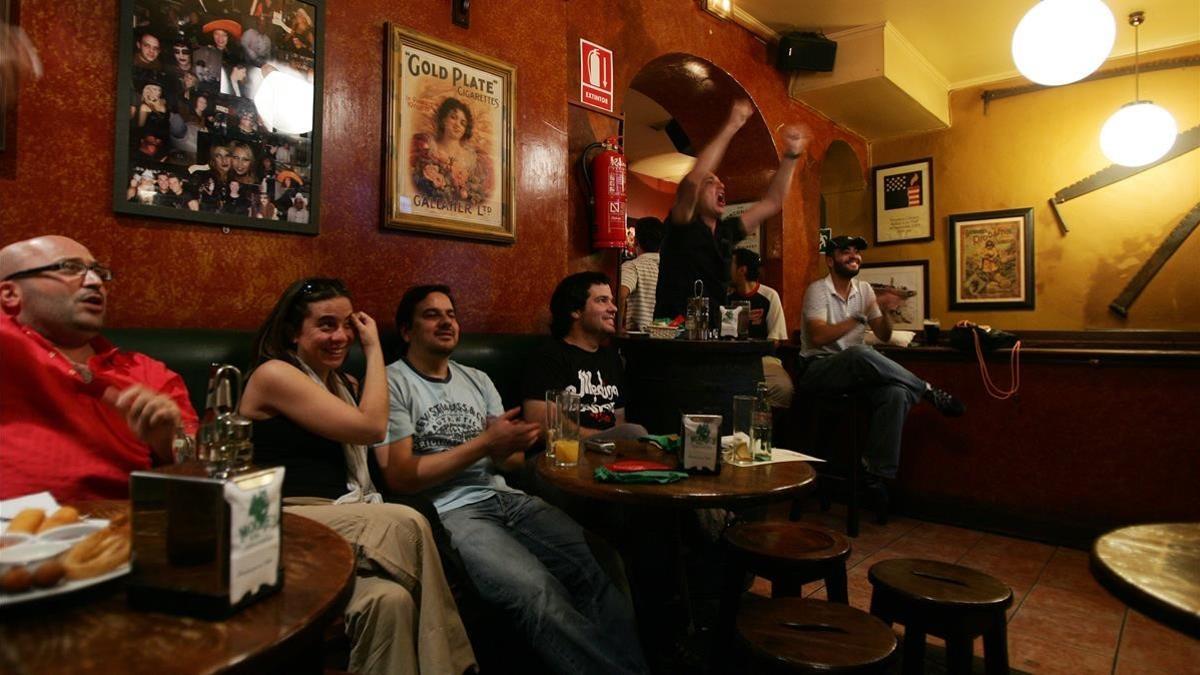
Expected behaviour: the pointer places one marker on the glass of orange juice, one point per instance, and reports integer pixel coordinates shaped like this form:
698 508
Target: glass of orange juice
566 441
552 424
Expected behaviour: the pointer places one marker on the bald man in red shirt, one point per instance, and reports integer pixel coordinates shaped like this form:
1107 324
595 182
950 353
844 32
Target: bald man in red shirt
77 415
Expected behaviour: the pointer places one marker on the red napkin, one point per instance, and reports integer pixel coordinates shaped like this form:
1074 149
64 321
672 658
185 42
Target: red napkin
628 465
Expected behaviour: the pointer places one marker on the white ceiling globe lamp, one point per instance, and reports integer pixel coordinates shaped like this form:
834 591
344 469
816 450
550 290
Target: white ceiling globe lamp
1063 41
1140 132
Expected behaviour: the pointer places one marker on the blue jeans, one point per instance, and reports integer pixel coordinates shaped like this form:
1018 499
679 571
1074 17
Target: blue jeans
888 387
531 560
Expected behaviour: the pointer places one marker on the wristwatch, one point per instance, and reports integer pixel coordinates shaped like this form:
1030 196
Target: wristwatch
861 318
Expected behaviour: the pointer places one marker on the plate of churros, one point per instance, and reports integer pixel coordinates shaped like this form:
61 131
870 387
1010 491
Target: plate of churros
43 555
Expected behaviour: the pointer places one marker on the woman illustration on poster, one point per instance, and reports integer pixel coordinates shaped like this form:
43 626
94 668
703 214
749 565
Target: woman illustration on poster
447 168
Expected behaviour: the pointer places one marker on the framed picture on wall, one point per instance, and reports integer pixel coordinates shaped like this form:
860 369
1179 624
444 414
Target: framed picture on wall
991 260
450 153
910 280
904 201
219 112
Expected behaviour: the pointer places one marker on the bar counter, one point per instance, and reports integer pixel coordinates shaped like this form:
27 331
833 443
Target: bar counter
1101 435
665 378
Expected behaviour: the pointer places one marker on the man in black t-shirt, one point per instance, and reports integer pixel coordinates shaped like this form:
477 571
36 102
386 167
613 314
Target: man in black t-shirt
584 317
699 243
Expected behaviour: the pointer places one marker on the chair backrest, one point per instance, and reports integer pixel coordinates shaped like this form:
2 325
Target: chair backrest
191 351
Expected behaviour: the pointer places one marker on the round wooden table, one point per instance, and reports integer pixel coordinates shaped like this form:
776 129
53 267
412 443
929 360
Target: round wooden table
94 631
735 486
1155 569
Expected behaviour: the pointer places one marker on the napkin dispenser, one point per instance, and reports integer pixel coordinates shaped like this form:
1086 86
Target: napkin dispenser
204 545
701 443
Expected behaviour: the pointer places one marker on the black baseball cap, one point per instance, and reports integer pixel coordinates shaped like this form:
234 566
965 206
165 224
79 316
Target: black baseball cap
845 241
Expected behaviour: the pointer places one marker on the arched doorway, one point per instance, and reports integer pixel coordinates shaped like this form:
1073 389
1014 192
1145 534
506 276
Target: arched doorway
845 201
676 103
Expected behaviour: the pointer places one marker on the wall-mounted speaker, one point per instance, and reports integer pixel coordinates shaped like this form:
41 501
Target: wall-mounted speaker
806 51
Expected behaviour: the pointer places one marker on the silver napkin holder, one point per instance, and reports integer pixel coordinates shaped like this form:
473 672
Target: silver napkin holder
205 545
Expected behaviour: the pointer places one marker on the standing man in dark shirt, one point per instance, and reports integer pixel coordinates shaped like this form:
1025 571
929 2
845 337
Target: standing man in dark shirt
583 318
699 243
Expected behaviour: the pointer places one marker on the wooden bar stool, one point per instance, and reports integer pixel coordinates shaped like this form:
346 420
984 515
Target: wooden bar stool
955 603
790 555
794 635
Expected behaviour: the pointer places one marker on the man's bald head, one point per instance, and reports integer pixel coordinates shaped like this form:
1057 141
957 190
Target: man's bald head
67 310
23 255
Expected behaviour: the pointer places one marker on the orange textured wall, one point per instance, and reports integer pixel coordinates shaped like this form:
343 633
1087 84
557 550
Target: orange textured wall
56 176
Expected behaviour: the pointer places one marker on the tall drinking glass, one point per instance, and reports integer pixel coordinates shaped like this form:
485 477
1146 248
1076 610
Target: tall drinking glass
553 426
566 443
743 423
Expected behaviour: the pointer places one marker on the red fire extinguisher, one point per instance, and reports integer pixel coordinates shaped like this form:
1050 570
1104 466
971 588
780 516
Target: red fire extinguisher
604 174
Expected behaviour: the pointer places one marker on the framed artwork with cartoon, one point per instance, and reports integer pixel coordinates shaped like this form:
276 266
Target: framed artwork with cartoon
991 260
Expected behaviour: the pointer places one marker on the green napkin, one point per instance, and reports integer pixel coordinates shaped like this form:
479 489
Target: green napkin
604 475
665 442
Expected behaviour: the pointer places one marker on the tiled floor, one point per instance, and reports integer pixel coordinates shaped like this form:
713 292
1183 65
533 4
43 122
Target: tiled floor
1061 621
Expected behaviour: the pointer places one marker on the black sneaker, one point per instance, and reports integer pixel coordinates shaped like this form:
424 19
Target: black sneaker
945 402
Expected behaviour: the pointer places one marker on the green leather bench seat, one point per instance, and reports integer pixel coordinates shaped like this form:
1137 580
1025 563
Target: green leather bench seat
190 352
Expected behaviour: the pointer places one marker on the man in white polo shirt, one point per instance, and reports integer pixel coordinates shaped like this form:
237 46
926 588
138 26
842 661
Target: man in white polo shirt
838 310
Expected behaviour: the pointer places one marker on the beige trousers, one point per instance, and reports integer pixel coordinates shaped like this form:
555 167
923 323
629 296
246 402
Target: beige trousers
779 383
401 617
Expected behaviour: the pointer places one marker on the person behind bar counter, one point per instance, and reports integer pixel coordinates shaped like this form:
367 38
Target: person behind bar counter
766 321
699 243
318 422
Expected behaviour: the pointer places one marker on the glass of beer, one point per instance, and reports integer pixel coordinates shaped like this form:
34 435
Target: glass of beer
566 441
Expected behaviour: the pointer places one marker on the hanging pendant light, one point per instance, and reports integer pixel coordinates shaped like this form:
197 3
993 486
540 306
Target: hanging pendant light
1139 132
1062 41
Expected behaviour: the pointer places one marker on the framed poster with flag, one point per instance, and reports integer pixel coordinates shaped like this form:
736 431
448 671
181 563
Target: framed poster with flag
904 201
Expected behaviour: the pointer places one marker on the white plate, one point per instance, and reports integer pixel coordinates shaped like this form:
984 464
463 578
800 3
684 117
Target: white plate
9 599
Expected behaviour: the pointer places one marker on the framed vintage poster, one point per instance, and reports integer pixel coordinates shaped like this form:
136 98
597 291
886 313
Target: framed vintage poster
904 202
219 112
991 260
908 278
450 152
